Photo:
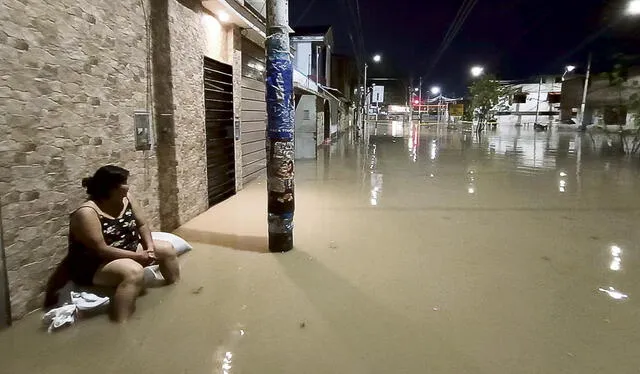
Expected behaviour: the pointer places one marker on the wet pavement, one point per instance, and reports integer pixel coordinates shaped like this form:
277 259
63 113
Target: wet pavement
431 250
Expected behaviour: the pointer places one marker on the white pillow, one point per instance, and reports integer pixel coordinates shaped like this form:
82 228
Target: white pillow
179 244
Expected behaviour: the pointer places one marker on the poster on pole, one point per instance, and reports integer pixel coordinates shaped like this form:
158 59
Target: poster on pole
378 94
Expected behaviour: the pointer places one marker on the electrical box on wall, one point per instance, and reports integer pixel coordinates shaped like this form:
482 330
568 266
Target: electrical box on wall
143 133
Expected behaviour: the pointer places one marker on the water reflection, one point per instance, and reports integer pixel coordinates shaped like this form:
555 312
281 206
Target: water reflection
376 178
376 187
616 258
613 293
530 152
224 357
471 182
397 129
434 149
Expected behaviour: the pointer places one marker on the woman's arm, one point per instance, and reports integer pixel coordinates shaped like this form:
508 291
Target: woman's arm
143 226
85 227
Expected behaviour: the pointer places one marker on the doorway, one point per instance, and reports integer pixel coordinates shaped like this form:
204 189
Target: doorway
219 123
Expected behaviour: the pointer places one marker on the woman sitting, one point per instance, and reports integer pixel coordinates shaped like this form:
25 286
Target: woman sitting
110 242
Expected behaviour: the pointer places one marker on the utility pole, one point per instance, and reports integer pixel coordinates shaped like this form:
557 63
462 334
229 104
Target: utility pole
365 117
420 104
538 101
583 106
410 100
280 128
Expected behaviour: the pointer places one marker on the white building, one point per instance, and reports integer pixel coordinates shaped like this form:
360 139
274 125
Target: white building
531 98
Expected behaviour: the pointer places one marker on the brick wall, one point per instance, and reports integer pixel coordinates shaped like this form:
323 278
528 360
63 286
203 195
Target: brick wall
73 73
187 48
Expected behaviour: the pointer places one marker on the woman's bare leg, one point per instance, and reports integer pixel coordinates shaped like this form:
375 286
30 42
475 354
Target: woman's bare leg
167 261
128 278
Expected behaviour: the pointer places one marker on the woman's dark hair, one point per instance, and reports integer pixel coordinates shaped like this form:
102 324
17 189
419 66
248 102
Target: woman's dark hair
105 180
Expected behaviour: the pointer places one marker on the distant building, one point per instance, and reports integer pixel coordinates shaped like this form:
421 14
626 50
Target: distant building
530 98
607 105
323 109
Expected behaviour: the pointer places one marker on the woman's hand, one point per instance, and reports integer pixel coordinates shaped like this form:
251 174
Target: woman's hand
152 254
144 258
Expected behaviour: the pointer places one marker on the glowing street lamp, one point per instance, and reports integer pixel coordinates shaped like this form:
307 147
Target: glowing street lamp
224 17
568 69
477 71
376 58
633 8
435 90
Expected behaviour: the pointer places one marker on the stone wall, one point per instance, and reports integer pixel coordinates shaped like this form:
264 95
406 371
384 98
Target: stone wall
73 73
236 52
187 50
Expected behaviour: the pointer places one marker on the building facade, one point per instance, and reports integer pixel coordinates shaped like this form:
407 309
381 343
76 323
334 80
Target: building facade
606 105
80 82
322 109
530 102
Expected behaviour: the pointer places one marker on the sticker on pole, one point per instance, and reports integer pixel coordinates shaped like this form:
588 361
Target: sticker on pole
279 85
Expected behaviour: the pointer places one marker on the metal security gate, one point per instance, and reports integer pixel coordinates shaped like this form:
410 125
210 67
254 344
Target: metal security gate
254 112
218 99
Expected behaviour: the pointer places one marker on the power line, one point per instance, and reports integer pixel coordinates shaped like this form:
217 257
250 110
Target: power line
345 4
454 28
453 32
364 49
304 13
355 24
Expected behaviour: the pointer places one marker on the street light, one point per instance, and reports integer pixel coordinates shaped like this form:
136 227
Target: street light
224 17
435 90
633 8
477 71
376 58
568 69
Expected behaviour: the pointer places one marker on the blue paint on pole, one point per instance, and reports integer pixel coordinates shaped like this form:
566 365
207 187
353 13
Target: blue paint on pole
280 132
279 99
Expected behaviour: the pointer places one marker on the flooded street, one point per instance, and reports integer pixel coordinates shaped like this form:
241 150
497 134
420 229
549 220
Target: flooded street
431 250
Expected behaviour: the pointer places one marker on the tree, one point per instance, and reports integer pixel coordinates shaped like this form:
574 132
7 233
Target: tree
486 93
617 78
628 95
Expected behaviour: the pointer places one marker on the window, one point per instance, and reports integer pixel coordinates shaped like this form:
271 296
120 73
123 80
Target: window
520 98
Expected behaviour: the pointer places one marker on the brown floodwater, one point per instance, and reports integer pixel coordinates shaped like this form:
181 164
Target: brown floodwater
426 250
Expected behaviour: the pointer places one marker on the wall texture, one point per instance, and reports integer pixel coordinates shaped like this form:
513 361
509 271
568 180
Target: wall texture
187 48
72 75
235 51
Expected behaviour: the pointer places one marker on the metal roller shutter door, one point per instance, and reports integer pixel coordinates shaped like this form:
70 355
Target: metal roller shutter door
254 112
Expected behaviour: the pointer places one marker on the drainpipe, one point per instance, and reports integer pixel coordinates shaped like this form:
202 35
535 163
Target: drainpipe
280 128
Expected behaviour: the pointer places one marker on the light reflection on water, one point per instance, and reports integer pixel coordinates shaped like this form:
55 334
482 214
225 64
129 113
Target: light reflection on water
529 150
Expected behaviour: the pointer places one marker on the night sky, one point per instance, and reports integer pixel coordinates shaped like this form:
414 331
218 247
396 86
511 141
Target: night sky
513 39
